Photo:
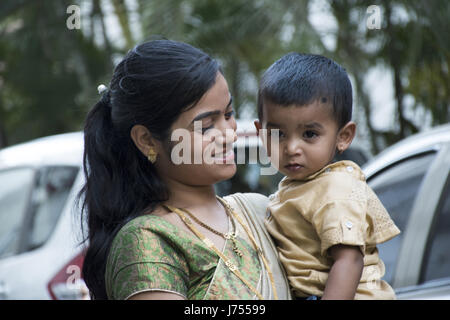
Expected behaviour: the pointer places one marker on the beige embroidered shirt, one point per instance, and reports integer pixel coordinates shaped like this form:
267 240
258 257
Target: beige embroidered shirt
333 206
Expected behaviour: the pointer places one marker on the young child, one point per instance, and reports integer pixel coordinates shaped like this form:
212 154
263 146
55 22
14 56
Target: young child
324 218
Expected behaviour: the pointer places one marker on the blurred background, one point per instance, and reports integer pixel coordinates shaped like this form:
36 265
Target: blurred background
54 53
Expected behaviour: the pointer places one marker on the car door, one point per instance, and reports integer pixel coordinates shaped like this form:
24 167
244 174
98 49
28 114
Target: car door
397 186
430 278
411 189
16 185
31 202
434 281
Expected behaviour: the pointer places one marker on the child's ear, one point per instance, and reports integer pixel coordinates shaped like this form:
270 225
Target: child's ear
257 126
345 136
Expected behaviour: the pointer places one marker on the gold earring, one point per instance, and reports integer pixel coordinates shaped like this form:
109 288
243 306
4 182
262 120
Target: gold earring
151 155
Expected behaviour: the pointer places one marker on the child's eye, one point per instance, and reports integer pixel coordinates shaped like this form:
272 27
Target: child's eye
310 134
280 133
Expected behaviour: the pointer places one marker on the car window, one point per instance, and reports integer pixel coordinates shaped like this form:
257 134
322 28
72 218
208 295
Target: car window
47 202
397 188
15 186
437 260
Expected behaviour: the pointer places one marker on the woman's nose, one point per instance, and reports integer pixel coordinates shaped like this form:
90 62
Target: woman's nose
228 129
227 136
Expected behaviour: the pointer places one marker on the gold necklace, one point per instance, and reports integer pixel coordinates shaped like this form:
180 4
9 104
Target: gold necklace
230 265
228 236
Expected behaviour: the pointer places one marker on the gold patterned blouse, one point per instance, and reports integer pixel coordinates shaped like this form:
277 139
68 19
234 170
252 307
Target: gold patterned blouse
333 206
151 254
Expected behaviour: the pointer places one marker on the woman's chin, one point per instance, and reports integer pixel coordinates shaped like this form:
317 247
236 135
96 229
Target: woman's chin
224 171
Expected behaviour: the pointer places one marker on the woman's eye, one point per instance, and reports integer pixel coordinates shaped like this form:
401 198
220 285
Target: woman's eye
228 115
206 129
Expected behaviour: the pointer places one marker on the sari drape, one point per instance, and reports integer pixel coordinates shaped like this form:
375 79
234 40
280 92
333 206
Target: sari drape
151 254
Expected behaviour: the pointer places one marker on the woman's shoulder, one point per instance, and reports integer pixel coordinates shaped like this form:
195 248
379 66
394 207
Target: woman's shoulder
147 236
143 239
145 253
251 197
148 223
253 203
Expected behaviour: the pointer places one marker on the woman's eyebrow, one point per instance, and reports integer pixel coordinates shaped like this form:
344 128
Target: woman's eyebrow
211 113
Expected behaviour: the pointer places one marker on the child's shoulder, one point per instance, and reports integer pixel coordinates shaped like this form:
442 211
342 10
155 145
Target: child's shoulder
341 168
337 181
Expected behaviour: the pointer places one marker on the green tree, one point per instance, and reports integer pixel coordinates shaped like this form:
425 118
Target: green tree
49 73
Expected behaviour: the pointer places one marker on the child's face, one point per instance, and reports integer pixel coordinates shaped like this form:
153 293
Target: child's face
308 137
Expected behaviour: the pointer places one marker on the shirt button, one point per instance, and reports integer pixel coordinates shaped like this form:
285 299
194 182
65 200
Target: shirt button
349 225
350 169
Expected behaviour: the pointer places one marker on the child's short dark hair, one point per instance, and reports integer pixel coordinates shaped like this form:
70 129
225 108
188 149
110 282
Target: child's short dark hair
301 79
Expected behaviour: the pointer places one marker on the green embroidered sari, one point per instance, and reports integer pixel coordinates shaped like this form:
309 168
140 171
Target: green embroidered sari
151 254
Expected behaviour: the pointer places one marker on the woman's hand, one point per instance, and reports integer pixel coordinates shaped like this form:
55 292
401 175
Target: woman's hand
345 273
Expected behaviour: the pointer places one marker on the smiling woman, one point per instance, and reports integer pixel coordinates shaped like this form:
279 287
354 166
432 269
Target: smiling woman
139 202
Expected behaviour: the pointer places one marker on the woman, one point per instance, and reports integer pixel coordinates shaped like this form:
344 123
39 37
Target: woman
156 229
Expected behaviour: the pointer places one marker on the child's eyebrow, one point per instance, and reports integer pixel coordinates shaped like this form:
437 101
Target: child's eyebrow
313 125
271 124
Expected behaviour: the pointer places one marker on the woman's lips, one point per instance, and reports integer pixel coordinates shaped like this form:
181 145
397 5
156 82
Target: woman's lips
224 157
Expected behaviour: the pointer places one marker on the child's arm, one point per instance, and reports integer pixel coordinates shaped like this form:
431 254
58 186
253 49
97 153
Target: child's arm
345 273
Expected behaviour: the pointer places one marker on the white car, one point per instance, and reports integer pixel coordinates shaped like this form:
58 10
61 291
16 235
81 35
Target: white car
411 178
40 256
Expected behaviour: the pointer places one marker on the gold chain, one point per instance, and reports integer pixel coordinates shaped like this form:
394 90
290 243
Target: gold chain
258 249
228 236
232 267
208 227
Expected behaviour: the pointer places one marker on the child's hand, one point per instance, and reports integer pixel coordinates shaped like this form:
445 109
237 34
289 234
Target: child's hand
345 274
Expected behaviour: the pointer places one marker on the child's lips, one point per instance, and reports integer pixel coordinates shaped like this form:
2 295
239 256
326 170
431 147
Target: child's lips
293 167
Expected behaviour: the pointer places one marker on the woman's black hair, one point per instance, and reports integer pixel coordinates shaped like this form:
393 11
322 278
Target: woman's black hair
153 84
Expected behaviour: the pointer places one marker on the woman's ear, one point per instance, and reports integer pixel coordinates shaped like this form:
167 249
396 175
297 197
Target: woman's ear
143 139
345 136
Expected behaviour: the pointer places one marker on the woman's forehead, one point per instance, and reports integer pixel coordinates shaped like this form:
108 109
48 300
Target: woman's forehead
216 98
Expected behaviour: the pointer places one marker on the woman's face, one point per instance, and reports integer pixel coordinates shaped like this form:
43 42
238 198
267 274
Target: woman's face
201 151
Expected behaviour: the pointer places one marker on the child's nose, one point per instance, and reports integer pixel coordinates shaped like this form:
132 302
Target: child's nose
293 147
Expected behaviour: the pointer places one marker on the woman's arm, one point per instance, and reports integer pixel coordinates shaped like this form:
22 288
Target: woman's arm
345 273
156 295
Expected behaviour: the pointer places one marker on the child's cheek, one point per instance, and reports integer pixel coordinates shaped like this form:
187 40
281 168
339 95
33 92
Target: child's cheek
274 153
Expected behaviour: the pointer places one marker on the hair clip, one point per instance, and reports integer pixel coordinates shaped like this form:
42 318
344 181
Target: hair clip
102 88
